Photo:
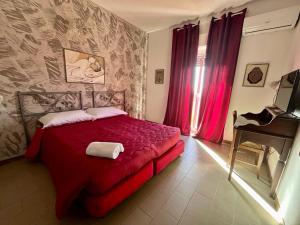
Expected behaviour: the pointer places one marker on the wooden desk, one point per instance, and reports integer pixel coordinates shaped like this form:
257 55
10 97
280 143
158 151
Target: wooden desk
271 128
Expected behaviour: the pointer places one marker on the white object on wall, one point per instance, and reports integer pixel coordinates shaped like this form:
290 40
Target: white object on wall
289 187
273 21
273 48
159 56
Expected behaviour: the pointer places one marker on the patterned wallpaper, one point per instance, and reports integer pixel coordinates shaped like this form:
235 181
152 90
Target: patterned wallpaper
32 35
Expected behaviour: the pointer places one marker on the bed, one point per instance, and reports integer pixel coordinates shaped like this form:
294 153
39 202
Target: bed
99 183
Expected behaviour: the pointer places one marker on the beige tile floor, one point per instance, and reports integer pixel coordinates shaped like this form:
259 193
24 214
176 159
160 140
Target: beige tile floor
248 173
193 190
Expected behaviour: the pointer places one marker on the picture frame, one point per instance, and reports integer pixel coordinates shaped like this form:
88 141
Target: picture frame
159 76
82 67
255 74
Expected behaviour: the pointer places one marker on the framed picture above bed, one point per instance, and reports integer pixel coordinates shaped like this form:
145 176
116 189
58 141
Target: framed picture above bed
83 67
255 75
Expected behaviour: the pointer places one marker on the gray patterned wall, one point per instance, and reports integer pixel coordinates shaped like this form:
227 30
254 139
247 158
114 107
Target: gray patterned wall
32 35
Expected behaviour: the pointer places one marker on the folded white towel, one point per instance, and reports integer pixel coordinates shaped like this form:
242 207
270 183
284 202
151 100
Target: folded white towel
105 149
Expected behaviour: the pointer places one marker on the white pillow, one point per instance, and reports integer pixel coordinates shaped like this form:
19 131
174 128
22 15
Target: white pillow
104 112
60 118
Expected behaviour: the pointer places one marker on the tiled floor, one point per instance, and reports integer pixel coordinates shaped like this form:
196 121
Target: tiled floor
248 173
192 191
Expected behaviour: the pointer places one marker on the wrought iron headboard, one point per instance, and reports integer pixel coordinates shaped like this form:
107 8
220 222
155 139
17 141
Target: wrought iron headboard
109 98
33 105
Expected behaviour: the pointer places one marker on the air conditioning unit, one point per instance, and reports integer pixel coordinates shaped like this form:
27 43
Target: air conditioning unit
273 21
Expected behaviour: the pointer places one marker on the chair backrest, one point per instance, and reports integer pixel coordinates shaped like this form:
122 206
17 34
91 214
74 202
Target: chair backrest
234 114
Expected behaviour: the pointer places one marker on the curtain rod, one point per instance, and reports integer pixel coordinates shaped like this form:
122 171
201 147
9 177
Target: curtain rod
233 14
195 20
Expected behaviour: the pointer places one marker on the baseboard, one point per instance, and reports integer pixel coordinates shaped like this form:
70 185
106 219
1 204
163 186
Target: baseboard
277 206
15 158
226 142
276 202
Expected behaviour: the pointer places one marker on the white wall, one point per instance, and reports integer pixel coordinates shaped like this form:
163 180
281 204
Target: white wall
289 187
159 57
272 48
295 47
281 49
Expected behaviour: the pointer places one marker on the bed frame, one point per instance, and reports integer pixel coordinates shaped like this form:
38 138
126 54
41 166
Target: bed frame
109 98
33 105
36 104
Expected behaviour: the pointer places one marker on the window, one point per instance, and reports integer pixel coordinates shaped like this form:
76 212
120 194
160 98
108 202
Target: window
198 86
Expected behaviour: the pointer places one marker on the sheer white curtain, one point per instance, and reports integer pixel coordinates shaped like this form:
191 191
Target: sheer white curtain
198 84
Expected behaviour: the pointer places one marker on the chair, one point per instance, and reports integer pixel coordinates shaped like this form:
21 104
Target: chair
250 146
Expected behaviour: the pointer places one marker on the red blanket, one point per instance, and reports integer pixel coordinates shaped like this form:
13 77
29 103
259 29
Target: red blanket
62 149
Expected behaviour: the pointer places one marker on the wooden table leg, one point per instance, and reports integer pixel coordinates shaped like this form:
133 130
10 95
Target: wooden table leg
259 162
230 154
234 114
233 150
277 174
280 166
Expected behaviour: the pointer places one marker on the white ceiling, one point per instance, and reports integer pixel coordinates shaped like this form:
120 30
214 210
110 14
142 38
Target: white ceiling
151 15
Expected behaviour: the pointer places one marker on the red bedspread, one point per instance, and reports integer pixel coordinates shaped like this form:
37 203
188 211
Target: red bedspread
62 149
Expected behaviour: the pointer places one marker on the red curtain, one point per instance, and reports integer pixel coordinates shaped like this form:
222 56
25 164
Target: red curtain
183 61
221 58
